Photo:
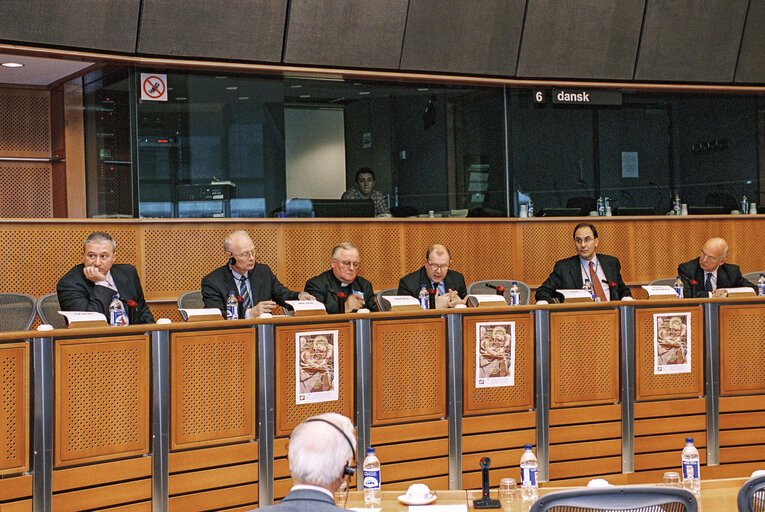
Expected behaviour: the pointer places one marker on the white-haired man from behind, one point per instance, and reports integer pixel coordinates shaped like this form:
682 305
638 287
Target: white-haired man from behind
321 453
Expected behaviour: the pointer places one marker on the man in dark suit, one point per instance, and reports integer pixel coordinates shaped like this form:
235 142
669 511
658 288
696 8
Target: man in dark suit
709 275
341 285
435 274
258 287
603 271
91 285
321 454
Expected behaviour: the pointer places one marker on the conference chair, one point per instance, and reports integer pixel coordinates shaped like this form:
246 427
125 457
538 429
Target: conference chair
384 304
753 277
664 281
48 308
190 300
481 288
634 499
585 204
751 496
17 311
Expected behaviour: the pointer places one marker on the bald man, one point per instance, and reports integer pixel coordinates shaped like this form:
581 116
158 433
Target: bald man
709 275
435 274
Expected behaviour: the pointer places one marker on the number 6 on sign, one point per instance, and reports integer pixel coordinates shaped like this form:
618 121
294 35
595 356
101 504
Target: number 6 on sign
153 87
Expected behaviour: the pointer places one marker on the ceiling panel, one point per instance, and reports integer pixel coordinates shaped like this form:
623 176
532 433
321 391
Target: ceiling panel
92 24
224 29
463 37
352 33
691 40
37 70
580 39
751 60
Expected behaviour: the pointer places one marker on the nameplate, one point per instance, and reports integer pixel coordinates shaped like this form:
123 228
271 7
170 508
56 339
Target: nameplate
200 314
487 301
402 303
575 295
660 292
744 291
84 319
305 308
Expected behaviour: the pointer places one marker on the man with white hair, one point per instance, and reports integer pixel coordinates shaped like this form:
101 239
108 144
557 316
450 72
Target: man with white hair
321 453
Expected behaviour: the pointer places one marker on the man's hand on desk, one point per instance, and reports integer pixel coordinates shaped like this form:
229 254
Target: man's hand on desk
353 302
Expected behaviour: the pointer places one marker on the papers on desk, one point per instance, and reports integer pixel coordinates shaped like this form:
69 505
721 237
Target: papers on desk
660 292
487 300
576 295
740 292
200 314
84 319
305 307
402 302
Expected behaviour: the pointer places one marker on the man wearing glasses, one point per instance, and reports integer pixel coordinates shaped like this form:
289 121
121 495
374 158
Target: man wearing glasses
603 271
435 275
709 275
340 289
254 282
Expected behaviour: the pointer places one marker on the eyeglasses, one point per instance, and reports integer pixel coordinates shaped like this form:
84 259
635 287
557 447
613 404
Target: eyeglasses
348 264
585 240
247 254
433 266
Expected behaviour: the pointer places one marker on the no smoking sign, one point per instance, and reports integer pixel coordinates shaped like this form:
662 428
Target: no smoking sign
153 87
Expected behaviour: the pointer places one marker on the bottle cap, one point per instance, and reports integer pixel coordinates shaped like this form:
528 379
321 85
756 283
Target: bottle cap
371 450
689 440
527 447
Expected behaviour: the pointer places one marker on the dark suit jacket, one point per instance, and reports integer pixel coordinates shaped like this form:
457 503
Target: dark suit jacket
411 284
304 500
728 276
567 275
75 293
322 285
263 283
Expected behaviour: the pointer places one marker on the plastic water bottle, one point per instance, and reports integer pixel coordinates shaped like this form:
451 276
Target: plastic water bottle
531 208
588 286
232 307
691 475
744 205
529 488
601 207
515 294
116 311
676 204
679 287
424 297
761 285
371 478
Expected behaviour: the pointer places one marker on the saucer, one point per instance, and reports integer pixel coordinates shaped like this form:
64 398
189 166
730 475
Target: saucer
406 501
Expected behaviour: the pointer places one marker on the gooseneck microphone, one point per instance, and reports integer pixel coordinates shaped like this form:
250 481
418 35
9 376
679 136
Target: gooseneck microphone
497 287
485 501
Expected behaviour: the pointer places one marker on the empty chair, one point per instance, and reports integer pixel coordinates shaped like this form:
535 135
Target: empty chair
17 311
753 277
751 496
664 281
634 499
482 288
190 300
48 308
384 305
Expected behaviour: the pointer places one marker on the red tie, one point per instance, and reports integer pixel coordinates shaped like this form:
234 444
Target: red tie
596 284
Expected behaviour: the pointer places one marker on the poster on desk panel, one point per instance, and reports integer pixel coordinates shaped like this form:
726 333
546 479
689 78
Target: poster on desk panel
316 365
494 354
671 343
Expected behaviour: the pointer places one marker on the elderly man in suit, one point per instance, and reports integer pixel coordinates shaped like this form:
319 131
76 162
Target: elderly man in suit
603 271
321 454
709 275
435 274
91 285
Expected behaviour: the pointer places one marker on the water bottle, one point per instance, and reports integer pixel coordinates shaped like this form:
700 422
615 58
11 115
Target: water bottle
607 202
515 294
691 475
371 478
424 297
761 285
679 287
676 204
232 307
588 286
116 311
601 207
529 489
531 208
744 205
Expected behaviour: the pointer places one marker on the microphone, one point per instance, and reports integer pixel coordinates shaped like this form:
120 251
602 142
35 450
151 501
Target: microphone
610 284
498 288
431 298
341 296
485 501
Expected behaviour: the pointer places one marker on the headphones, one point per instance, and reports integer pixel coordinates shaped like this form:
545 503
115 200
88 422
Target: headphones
348 471
232 261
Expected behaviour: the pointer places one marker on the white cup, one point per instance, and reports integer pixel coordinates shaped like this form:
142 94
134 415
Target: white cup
44 327
524 211
418 492
752 208
608 211
598 482
161 321
684 209
431 213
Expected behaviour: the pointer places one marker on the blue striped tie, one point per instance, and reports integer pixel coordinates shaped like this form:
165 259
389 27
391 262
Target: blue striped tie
244 293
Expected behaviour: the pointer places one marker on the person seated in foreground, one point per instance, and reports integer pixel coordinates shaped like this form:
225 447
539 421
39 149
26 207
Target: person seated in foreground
436 275
710 274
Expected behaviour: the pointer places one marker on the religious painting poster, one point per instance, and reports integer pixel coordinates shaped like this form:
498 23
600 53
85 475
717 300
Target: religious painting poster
494 354
671 343
316 367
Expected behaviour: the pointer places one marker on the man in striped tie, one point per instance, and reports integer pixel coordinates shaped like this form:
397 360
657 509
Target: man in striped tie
253 282
710 275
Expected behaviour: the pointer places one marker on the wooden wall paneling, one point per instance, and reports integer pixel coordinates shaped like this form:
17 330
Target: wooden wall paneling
290 413
744 251
166 310
74 150
212 387
14 413
101 399
584 357
224 455
26 189
16 487
412 452
751 59
408 370
681 42
58 168
742 428
519 396
457 37
104 484
542 245
652 386
742 360
100 474
25 126
215 499
214 29
102 497
580 39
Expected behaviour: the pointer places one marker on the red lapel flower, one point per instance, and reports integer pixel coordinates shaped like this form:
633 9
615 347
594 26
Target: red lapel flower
611 284
341 295
693 282
239 299
132 303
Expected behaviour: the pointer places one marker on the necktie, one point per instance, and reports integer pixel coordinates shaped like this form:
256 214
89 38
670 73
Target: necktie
708 282
244 293
596 284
